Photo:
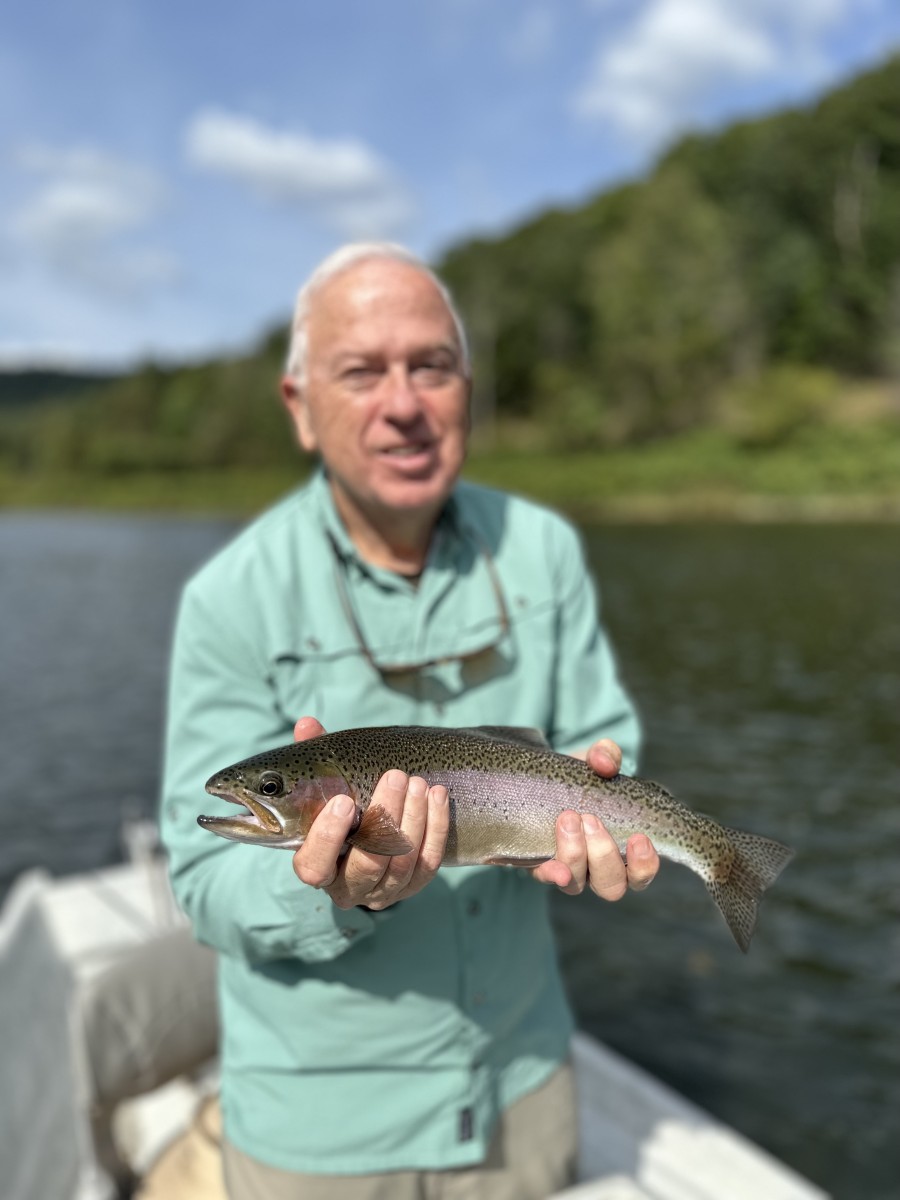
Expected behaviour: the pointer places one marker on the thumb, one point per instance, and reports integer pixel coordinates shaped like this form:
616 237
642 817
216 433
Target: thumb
308 727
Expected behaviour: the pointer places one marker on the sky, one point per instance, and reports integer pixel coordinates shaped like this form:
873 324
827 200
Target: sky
170 172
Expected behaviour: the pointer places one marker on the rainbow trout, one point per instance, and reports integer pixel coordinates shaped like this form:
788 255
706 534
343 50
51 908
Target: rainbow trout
506 789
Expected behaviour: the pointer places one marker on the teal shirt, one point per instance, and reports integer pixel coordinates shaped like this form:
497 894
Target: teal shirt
355 1041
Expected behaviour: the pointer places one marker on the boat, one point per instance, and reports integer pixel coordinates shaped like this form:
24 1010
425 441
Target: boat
107 1021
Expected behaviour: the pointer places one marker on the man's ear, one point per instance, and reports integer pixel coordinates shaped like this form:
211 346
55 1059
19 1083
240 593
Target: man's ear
298 408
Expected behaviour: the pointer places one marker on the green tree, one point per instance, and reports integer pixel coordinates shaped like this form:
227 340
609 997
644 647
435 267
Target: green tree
672 317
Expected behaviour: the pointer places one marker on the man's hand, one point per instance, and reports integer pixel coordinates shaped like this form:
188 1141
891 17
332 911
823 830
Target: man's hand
375 880
585 852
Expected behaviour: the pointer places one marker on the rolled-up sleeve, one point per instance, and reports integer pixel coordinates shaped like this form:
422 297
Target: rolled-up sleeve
242 900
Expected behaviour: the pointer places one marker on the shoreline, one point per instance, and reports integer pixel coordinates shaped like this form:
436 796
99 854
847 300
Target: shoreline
746 509
700 506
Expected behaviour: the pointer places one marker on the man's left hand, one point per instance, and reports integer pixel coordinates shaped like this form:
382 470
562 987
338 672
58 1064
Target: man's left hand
587 855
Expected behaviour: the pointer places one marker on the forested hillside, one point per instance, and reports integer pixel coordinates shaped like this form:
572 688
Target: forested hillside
736 285
750 286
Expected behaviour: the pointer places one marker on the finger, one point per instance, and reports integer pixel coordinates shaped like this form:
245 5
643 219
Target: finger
362 871
316 862
553 871
434 839
307 727
395 879
571 852
605 757
641 862
606 867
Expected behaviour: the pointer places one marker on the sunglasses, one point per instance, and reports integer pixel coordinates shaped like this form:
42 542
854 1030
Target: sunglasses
393 669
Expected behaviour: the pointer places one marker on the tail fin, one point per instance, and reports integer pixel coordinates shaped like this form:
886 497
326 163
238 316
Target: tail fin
758 861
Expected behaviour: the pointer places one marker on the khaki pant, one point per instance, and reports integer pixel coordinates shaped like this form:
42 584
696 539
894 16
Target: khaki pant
531 1156
190 1168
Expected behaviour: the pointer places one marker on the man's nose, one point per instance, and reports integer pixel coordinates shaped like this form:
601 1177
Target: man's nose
402 401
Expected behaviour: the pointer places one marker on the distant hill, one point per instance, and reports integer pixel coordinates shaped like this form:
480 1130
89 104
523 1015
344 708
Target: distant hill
30 386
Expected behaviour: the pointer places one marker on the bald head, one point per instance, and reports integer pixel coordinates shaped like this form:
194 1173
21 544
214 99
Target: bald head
344 259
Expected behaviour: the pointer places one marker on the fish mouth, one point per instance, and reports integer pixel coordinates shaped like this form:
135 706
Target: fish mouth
258 823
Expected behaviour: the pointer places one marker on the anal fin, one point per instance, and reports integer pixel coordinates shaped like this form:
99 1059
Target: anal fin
510 860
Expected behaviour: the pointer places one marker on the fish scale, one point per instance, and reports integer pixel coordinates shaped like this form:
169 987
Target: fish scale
506 789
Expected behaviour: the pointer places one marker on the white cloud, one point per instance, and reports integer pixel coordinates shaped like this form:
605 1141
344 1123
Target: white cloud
79 220
655 75
343 181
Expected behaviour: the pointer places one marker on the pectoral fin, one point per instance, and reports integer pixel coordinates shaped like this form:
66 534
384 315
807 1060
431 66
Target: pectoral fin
379 833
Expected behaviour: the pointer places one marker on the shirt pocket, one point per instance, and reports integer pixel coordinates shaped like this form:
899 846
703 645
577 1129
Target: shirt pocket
523 694
342 691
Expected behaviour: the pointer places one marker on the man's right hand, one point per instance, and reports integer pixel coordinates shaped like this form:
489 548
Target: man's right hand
359 877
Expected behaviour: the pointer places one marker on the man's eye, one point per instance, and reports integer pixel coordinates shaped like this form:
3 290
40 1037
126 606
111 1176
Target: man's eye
358 376
432 372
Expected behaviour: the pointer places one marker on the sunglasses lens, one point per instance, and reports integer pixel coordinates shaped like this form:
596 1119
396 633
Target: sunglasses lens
395 669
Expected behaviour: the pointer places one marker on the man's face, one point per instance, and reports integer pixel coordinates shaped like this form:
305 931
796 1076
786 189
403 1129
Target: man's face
385 401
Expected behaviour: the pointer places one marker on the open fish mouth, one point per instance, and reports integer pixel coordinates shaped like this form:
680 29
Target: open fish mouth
258 819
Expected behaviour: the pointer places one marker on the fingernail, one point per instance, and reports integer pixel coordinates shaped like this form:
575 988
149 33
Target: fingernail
342 806
417 786
591 824
571 824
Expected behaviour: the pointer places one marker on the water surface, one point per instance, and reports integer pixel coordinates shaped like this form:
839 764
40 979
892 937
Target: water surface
766 663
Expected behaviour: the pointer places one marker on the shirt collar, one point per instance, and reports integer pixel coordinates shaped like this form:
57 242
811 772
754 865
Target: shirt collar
446 539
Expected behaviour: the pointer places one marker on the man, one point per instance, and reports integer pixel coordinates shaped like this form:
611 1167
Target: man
389 1028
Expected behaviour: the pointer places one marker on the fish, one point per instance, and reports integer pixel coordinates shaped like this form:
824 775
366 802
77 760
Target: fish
506 787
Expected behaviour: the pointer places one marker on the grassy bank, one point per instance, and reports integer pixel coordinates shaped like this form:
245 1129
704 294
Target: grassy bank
851 473
227 491
827 474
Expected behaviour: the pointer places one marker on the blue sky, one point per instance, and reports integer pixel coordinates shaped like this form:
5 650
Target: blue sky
170 172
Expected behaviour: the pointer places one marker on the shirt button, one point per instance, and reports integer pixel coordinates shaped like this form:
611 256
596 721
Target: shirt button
479 998
473 908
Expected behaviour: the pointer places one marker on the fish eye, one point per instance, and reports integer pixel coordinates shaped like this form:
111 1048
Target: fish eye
271 784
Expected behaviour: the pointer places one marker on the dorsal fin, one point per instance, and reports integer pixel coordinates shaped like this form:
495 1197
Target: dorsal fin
518 735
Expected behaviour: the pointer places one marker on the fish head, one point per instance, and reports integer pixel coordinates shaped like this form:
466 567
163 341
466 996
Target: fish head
282 799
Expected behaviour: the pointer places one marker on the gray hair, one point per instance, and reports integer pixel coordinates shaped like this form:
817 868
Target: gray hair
341 260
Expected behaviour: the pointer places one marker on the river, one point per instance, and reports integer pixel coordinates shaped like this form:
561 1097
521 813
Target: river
766 664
